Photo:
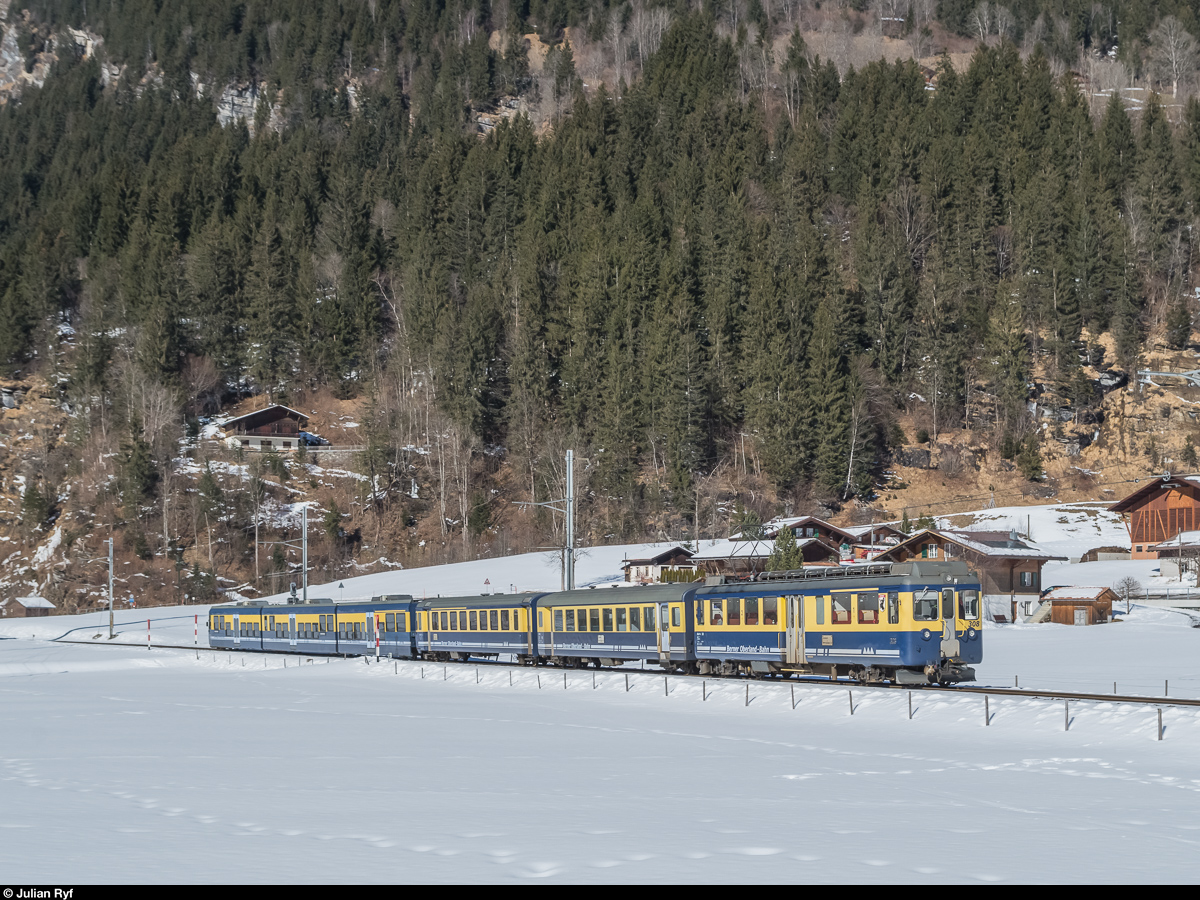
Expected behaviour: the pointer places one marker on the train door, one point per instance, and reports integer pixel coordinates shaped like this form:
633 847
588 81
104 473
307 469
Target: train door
370 638
237 630
794 639
664 632
950 647
292 629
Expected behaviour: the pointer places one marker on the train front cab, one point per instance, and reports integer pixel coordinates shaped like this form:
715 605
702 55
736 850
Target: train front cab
609 627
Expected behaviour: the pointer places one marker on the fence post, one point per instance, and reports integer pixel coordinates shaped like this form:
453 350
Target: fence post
1160 723
1166 685
593 679
987 716
910 706
747 693
851 695
147 634
666 690
510 677
627 682
1066 715
445 673
564 679
539 681
703 691
793 696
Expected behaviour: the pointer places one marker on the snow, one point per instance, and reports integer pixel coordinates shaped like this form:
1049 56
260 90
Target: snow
154 763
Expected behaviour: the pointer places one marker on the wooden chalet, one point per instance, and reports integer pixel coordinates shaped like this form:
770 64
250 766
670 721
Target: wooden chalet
649 569
273 428
25 607
1009 568
1159 510
1080 605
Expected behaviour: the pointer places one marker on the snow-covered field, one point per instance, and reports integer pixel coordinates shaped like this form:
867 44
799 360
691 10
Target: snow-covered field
126 764
153 766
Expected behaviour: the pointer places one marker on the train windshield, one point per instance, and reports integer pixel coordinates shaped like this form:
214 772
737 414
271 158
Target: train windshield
925 607
968 605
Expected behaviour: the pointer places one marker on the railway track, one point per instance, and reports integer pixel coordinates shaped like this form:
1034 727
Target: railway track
814 681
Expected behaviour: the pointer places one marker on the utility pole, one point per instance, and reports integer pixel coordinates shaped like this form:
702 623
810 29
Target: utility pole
567 507
304 549
110 589
570 520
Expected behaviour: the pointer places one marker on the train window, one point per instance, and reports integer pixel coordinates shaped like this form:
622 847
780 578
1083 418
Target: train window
594 619
635 618
676 614
570 620
715 614
948 603
445 621
734 608
321 622
402 621
272 623
925 606
483 620
893 603
770 611
504 620
648 617
868 609
474 621
820 604
541 620
699 612
968 605
608 619
622 619
558 620
841 609
581 619
751 610
454 621
495 617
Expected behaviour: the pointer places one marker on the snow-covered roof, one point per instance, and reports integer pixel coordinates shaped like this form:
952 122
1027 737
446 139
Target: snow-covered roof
732 549
658 557
31 602
1185 540
1000 545
1077 593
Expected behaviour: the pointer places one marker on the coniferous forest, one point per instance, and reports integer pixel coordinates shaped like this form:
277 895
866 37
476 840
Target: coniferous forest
726 252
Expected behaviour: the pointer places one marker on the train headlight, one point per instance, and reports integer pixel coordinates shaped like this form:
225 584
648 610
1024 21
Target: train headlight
926 634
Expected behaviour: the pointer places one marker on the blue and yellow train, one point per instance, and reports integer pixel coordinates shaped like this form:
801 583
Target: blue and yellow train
917 622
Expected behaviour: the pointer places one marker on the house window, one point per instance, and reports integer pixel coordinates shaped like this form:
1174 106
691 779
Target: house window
1029 579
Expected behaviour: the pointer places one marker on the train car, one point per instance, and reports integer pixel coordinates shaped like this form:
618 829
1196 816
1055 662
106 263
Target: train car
915 622
608 627
482 626
236 626
316 627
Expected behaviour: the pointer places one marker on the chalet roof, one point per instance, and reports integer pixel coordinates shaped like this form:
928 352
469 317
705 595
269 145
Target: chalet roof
266 414
734 549
30 602
657 559
992 544
1078 593
1153 486
771 529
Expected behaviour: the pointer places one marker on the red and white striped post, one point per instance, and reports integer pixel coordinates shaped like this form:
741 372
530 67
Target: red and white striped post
196 634
147 634
377 638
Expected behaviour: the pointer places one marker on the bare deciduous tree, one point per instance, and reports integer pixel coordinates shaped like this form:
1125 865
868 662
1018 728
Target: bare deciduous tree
1173 52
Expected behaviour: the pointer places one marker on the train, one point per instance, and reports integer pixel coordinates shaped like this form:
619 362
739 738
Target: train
916 622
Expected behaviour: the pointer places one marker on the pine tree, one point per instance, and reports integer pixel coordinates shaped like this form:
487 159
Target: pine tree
786 555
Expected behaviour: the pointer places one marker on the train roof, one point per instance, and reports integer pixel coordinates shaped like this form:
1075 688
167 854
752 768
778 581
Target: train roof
487 601
649 593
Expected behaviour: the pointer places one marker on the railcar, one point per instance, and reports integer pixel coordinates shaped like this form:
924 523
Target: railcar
462 627
914 622
910 622
608 627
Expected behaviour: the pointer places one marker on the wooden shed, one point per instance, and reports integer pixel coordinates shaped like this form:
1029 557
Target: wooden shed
1080 605
25 607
